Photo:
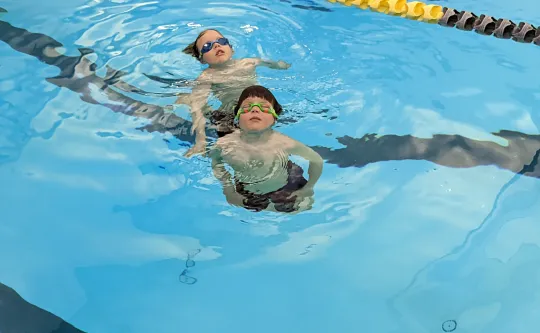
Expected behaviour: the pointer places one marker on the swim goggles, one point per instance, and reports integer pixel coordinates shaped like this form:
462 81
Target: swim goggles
263 108
207 47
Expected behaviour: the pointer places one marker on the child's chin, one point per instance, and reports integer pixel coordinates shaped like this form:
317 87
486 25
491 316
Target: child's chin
253 126
221 59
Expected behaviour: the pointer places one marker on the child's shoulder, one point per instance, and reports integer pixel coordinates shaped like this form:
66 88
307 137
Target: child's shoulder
249 61
284 140
205 75
227 139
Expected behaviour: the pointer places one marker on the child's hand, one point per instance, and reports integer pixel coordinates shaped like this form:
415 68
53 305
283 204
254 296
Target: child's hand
304 192
283 65
304 204
198 148
271 64
233 197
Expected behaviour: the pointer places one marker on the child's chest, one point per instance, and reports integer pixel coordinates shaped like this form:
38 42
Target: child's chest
232 75
248 157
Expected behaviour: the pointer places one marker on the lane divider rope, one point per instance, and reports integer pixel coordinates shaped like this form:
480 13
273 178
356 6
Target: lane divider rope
501 28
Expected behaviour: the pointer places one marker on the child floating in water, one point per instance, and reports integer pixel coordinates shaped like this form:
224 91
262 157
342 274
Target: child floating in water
225 78
259 156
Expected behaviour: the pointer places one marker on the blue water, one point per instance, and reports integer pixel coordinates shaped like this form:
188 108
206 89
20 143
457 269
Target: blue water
98 218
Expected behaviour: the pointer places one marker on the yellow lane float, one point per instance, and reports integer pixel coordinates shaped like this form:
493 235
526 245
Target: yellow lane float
449 17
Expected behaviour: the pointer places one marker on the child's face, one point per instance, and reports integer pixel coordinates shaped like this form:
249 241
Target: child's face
256 120
218 53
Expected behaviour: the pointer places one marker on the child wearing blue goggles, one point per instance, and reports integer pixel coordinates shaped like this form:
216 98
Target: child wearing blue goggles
224 78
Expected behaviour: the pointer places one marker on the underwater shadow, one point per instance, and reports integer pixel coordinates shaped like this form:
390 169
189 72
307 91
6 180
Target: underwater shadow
454 151
18 315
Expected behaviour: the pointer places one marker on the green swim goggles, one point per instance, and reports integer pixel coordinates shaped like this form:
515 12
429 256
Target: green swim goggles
263 108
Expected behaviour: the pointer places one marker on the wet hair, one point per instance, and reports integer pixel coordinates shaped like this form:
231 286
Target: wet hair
260 92
192 49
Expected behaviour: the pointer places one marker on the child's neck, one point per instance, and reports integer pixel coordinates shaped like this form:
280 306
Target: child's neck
256 137
223 65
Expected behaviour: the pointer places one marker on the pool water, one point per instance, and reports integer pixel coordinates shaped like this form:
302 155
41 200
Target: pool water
113 230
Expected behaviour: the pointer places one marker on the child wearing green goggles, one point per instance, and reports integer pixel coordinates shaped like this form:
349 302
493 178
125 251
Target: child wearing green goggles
224 79
248 107
264 177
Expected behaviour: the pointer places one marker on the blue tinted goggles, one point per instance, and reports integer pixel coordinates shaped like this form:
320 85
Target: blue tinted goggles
208 46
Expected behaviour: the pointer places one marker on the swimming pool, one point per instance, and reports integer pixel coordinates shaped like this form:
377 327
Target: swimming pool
99 219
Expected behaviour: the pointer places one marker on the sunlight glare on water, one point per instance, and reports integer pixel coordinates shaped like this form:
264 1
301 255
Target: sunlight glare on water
112 229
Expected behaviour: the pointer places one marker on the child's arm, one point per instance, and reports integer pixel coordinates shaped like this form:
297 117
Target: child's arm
269 63
225 178
197 100
315 162
218 168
